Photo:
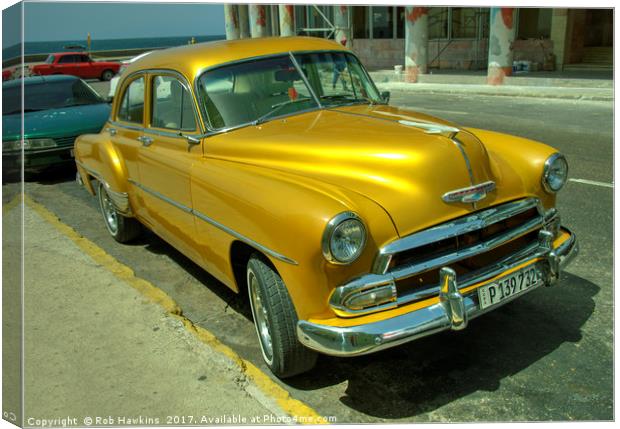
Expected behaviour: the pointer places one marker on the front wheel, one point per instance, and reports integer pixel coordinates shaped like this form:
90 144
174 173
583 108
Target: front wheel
123 229
276 321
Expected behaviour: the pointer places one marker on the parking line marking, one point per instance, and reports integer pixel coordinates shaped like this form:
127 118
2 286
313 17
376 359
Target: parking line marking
267 386
592 182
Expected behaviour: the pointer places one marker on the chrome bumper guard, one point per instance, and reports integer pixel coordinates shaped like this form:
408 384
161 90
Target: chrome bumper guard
452 312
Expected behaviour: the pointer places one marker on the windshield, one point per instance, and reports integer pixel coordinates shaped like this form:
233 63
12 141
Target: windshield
243 93
338 78
259 90
48 95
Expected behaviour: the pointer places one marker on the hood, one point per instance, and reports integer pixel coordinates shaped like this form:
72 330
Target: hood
62 122
384 153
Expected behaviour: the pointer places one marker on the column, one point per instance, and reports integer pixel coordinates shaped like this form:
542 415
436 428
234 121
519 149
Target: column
232 21
287 20
416 42
244 21
258 20
502 35
559 27
341 21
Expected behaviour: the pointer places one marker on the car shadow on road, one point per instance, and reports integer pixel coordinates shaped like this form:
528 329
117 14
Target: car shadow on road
51 175
424 375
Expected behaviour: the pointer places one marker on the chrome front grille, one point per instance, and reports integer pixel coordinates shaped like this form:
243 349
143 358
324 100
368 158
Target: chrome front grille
473 245
65 141
475 248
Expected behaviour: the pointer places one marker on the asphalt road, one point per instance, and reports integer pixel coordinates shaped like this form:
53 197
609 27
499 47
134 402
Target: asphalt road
547 356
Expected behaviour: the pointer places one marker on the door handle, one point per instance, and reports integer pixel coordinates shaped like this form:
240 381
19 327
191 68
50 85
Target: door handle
111 130
146 140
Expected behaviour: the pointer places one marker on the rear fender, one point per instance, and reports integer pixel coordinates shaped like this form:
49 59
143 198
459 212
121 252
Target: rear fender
97 158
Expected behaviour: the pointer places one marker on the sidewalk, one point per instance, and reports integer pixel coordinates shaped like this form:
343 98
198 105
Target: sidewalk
572 86
97 347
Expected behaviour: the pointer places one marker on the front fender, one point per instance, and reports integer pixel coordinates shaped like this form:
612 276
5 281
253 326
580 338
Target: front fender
517 160
287 214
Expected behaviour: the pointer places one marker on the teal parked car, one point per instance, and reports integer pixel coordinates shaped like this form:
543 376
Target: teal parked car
57 109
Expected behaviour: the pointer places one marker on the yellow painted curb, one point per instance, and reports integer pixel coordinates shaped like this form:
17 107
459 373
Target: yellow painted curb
11 204
293 407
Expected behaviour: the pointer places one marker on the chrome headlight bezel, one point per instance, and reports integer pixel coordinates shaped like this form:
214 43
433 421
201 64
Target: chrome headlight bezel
328 237
548 169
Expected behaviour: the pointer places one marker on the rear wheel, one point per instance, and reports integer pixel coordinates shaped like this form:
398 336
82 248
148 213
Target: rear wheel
123 229
107 75
276 321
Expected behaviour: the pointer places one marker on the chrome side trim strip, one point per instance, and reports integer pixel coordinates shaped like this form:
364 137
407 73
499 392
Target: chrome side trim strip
161 197
218 225
245 239
89 170
156 132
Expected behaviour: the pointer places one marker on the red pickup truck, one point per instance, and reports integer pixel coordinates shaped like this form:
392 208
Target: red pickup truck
77 64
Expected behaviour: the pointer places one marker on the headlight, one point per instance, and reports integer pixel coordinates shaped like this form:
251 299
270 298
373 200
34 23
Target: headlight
344 238
555 173
39 143
15 145
11 145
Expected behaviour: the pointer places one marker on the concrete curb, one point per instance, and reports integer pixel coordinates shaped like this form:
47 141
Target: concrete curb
565 93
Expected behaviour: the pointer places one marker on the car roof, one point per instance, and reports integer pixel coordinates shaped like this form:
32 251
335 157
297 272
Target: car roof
70 53
190 60
33 80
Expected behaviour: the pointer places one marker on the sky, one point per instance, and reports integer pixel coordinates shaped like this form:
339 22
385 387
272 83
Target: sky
49 21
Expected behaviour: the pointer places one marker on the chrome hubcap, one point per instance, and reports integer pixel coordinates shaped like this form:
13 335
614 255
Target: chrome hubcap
260 317
109 212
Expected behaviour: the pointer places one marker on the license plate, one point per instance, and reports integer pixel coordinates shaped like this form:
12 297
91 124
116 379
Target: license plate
71 153
510 286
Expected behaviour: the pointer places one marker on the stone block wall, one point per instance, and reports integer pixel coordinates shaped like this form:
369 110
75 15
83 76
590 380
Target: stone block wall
380 54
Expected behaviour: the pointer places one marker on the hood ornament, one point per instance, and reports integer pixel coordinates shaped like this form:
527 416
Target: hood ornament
471 194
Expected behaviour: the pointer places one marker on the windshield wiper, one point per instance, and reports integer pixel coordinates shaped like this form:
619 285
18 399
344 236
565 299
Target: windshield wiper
276 108
350 98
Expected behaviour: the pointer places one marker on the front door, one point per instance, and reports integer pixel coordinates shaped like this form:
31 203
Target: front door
166 157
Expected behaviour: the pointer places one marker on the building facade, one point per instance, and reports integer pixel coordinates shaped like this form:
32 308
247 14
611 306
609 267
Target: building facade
462 38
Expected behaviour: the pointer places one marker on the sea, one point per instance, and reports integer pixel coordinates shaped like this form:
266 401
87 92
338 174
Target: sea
105 44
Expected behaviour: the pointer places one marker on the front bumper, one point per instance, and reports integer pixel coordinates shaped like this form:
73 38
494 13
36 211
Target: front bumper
451 312
35 160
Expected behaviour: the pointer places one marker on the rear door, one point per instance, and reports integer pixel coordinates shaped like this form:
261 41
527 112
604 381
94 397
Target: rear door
171 146
125 131
85 68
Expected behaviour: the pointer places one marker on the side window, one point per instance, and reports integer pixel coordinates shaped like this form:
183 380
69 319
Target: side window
131 108
66 59
172 105
82 58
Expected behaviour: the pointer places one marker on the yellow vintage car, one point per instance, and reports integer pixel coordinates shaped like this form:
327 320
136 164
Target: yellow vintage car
277 166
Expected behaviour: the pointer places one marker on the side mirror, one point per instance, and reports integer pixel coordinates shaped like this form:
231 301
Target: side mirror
385 95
